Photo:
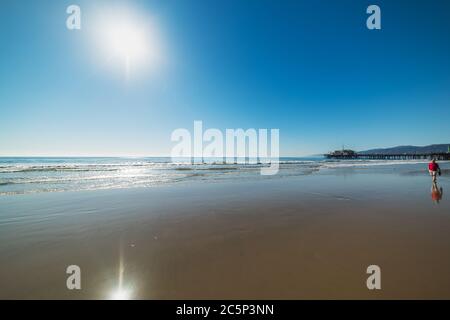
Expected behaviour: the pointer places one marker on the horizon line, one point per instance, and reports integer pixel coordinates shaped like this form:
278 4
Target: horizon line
130 156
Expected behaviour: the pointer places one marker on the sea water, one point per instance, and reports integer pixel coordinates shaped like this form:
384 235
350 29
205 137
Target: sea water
37 174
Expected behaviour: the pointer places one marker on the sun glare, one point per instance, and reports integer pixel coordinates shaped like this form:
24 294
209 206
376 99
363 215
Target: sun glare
126 40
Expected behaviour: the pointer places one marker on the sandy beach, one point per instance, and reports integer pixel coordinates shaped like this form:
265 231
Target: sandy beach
296 237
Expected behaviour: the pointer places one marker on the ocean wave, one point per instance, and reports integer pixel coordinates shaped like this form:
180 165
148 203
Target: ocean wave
75 167
80 179
149 165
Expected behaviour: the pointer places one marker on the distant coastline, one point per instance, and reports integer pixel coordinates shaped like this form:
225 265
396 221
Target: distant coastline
432 148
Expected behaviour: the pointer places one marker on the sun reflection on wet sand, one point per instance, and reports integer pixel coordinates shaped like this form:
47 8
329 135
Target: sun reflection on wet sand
121 293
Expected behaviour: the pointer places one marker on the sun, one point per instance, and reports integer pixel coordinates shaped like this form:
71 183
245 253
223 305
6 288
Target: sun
127 40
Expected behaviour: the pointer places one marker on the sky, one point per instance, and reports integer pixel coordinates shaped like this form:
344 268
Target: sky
311 69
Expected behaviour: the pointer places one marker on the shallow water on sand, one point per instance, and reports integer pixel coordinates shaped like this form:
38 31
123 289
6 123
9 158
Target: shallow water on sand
308 236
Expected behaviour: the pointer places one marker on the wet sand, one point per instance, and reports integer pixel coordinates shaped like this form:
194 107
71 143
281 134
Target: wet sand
292 238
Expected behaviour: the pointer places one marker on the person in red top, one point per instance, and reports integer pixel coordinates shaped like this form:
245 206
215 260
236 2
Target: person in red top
433 169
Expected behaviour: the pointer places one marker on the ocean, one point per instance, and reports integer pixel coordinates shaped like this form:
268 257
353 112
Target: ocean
38 174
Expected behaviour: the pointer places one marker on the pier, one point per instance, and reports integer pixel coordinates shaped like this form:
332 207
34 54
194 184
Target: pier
406 156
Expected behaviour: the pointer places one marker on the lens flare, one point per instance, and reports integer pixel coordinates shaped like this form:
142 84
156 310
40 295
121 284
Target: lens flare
126 40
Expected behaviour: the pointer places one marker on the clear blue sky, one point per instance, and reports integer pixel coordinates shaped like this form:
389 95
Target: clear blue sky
310 68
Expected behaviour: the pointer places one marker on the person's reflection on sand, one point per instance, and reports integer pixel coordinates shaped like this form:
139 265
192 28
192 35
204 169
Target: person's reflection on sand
436 192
